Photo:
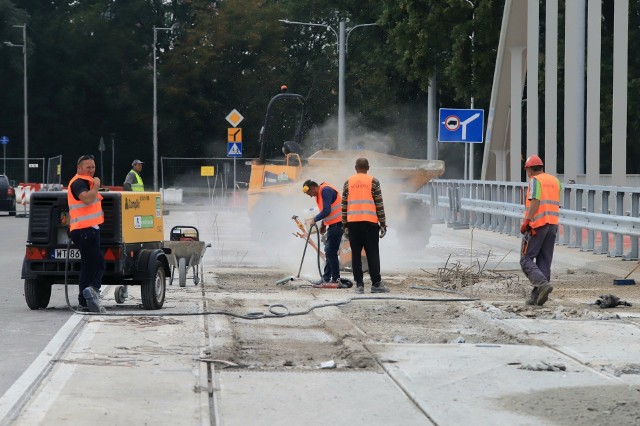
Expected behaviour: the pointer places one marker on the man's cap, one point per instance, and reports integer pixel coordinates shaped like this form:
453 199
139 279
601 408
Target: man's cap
136 162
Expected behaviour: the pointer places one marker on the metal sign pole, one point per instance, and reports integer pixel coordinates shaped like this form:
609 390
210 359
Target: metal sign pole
113 158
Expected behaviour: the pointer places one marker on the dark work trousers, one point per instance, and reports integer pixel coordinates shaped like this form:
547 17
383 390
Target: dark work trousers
92 266
332 265
540 248
365 235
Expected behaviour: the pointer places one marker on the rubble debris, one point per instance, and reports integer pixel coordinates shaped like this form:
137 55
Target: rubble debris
543 366
328 364
610 301
455 276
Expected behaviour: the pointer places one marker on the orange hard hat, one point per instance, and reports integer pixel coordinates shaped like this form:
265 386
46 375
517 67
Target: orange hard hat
284 87
532 161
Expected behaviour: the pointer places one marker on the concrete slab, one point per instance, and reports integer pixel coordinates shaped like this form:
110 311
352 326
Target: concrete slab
315 398
465 384
597 343
125 371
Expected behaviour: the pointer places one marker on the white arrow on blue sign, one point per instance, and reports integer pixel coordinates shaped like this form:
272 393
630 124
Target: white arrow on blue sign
461 125
234 149
4 140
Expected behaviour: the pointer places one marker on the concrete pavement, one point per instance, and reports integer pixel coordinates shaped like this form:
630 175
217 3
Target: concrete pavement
164 369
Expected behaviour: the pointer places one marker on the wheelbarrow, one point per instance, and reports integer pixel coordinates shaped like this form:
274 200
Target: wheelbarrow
186 253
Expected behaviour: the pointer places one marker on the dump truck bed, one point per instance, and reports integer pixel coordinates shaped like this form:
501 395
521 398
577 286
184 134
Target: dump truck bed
337 166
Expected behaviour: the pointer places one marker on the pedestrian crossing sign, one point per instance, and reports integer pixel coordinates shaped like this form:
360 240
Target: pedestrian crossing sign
234 149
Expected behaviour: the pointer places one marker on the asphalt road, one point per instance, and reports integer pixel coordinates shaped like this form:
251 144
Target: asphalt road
23 333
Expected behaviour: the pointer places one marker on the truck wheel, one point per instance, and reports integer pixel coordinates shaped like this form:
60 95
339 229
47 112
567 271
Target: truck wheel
37 293
153 290
120 294
182 272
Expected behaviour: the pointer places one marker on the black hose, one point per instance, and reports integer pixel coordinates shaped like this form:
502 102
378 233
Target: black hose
66 282
287 312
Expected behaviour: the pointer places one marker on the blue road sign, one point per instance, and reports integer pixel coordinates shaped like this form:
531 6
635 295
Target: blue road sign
4 140
461 125
234 149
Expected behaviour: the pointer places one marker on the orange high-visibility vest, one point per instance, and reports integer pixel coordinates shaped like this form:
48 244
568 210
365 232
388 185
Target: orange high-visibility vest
82 215
360 204
547 191
335 215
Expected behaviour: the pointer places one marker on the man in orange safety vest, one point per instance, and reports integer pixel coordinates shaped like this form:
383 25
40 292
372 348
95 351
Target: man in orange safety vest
85 216
539 229
365 223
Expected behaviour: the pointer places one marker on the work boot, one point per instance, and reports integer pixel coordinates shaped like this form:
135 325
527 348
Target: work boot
379 288
543 293
533 299
359 288
93 300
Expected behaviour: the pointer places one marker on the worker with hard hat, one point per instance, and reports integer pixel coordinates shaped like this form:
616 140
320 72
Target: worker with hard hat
133 181
539 229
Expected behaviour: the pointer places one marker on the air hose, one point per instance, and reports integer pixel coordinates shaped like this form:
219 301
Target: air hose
66 282
276 310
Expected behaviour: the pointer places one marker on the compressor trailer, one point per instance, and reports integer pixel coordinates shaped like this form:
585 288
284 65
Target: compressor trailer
131 240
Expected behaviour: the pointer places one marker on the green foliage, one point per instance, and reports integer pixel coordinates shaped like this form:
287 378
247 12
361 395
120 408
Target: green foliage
91 72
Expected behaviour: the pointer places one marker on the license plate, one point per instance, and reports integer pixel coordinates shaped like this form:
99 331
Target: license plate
62 254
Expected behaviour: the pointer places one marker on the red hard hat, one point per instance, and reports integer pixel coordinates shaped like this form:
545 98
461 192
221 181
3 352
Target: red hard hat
283 87
532 161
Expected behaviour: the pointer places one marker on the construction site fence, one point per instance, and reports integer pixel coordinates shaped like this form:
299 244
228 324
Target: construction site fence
204 176
14 169
589 214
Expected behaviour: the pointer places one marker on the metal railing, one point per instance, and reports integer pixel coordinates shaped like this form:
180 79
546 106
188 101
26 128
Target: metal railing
587 212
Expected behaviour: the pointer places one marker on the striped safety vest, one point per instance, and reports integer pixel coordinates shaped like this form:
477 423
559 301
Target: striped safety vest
360 204
335 215
83 215
545 188
138 186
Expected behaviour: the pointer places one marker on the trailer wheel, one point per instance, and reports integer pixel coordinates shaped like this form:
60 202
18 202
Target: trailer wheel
182 272
120 294
37 293
153 290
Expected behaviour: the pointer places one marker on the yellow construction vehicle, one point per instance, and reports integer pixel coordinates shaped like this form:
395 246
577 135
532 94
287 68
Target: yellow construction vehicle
275 183
131 239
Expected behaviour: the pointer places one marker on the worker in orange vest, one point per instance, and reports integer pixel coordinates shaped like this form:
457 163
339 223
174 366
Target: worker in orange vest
539 229
85 216
328 200
364 221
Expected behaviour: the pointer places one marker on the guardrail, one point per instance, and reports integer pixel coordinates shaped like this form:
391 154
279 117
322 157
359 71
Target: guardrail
585 212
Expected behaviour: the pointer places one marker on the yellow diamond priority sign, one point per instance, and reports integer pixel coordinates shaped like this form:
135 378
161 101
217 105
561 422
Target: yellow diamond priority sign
234 118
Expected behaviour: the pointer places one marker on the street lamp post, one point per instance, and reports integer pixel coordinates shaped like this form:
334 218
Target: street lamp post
342 38
26 116
155 108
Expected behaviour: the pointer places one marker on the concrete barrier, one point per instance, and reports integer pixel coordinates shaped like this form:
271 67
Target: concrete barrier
171 196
